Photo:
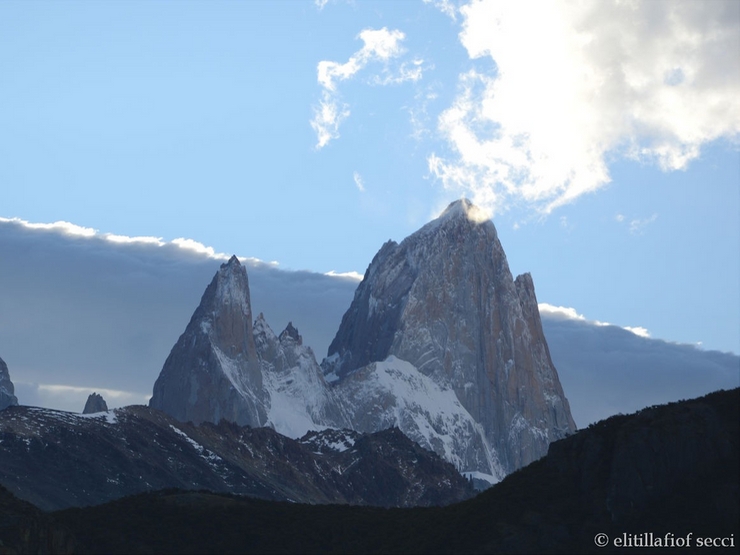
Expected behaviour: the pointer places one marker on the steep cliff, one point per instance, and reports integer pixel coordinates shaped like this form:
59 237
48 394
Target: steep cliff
444 301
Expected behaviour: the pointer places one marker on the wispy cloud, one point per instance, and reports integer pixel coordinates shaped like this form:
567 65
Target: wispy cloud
359 183
379 45
575 82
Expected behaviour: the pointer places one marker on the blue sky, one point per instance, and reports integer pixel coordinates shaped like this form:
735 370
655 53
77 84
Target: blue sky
603 138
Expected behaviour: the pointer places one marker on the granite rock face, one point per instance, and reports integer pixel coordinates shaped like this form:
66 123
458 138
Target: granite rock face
225 366
95 403
212 371
444 302
7 390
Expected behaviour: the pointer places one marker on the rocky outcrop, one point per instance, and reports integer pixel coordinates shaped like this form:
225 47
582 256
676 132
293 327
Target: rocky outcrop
95 403
444 301
7 390
212 371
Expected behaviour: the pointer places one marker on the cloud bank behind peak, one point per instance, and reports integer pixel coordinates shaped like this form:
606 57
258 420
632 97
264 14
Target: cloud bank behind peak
81 313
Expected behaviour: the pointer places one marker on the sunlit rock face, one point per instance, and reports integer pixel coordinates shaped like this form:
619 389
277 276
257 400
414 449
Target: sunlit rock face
7 390
444 302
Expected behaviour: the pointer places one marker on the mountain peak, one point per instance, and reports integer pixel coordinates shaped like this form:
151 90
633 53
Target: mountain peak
442 310
464 208
233 261
215 360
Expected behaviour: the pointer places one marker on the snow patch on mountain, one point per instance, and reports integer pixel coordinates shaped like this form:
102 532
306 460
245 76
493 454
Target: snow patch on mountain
298 397
394 393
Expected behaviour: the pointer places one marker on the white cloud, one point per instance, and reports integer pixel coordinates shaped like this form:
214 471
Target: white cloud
200 248
560 312
638 330
359 182
379 45
126 239
320 4
354 276
573 82
328 115
567 313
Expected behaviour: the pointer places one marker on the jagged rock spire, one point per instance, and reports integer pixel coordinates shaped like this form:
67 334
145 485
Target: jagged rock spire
212 371
7 390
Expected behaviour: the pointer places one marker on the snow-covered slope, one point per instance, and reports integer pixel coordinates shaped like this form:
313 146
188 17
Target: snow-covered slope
296 395
394 393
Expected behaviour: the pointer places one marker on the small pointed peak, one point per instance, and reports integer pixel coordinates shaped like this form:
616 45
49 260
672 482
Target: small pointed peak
95 403
233 261
292 332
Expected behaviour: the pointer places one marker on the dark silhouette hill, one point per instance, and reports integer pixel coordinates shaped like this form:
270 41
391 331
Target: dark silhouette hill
669 471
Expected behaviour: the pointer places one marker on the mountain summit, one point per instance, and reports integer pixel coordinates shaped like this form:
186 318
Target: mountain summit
440 317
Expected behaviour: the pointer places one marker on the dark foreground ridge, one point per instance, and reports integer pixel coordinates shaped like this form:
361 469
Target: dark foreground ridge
58 460
666 471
